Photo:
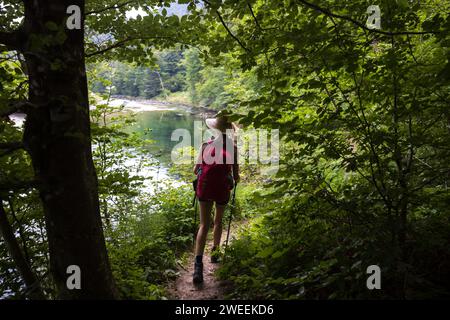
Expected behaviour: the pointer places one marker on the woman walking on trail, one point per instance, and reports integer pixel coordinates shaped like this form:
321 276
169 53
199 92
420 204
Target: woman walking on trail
217 172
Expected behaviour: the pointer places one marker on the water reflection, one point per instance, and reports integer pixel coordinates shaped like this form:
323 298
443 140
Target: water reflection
161 125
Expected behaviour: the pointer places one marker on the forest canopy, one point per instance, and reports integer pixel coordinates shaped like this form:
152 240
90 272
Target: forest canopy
364 121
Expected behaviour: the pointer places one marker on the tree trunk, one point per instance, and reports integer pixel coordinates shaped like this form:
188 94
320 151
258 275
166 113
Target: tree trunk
34 290
57 136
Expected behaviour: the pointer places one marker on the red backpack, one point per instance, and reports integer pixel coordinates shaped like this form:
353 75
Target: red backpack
214 175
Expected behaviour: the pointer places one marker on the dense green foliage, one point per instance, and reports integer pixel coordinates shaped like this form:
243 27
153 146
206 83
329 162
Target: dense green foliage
147 232
364 120
147 245
364 172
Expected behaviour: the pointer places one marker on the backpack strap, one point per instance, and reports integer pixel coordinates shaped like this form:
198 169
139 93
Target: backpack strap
204 144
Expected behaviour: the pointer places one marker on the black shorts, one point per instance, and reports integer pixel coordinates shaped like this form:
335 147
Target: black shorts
217 203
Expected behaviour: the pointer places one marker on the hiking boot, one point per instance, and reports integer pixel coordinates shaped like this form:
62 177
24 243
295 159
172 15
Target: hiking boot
215 253
198 273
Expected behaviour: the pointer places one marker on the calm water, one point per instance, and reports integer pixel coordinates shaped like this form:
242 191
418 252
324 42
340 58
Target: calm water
155 122
159 125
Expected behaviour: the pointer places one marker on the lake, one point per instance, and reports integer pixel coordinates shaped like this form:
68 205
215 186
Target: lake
157 121
161 125
160 119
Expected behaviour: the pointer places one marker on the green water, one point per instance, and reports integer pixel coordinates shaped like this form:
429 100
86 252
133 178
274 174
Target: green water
159 126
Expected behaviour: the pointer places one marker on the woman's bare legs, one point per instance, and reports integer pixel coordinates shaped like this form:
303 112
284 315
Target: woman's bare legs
220 209
205 220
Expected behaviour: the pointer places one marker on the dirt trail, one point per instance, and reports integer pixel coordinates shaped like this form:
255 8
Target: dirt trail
212 288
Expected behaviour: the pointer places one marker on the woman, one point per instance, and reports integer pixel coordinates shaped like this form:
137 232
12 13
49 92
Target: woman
216 168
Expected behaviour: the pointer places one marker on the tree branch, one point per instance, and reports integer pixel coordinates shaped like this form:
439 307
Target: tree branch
8 111
10 39
230 33
362 25
20 106
10 147
15 145
18 185
226 27
253 15
114 6
30 279
119 44
111 47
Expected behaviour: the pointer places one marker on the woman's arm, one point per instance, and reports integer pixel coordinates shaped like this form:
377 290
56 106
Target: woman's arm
199 160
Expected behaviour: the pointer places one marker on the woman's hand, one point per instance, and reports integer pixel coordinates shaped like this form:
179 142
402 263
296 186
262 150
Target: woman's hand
196 168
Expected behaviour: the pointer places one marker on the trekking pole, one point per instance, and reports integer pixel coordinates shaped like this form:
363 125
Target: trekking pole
193 200
231 217
195 204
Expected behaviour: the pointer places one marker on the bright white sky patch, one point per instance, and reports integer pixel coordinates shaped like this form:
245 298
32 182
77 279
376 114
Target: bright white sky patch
174 9
133 13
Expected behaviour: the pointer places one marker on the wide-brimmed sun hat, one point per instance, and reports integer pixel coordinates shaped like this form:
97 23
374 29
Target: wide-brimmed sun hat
220 123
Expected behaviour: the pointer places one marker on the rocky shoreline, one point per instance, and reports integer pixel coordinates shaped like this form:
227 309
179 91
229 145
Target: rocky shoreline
140 104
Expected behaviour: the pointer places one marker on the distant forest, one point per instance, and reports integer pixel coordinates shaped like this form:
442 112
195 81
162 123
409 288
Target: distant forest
174 73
